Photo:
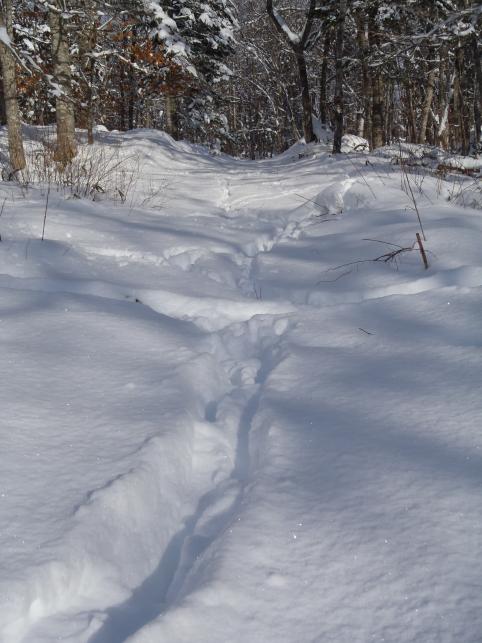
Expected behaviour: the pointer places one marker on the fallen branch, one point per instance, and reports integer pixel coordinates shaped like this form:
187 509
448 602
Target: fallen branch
330 281
390 256
387 257
443 169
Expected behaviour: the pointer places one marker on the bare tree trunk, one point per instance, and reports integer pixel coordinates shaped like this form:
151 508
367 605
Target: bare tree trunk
411 120
90 103
477 93
447 79
132 98
66 147
170 116
132 82
389 110
298 46
3 114
338 102
459 103
122 97
323 79
87 41
363 49
427 106
12 112
305 98
378 88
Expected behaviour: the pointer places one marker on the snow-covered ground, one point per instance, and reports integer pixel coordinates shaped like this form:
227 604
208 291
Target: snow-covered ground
222 422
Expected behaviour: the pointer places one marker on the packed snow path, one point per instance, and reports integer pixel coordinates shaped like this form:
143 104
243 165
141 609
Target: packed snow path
218 427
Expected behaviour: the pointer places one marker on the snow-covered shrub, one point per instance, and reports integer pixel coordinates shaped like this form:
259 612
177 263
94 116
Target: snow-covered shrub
96 172
466 192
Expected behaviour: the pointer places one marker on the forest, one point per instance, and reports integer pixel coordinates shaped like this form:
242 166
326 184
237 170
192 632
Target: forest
240 321
247 77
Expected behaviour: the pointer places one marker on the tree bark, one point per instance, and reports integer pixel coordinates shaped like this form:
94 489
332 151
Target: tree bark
323 80
378 86
427 106
338 101
171 116
477 93
378 131
132 82
12 111
447 79
410 110
305 98
66 147
363 49
87 41
459 102
3 114
299 49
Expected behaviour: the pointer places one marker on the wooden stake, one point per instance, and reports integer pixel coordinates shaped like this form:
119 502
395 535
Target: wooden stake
422 251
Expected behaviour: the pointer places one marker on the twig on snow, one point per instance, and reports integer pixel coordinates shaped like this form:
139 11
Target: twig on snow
323 214
1 211
330 281
46 210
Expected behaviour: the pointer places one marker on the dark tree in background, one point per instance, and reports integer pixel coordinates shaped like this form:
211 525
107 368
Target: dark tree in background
338 104
251 77
299 43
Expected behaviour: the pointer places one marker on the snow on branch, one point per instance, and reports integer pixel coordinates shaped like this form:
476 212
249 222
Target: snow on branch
297 41
292 36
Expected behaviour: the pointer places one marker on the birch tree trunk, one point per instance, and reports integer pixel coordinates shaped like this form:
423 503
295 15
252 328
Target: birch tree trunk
12 112
66 147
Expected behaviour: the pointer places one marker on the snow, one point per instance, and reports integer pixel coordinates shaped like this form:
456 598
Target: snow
293 37
463 162
223 421
352 143
430 155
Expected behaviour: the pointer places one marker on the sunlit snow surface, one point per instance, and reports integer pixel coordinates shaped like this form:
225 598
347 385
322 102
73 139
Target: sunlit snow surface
218 427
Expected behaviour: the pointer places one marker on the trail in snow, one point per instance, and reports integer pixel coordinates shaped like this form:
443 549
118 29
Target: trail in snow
212 312
212 446
216 510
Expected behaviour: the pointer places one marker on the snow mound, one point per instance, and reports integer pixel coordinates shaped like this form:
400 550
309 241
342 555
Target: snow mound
352 143
247 412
